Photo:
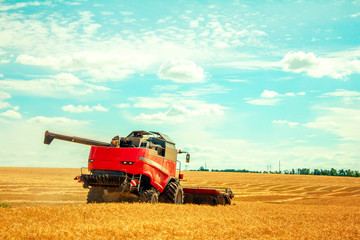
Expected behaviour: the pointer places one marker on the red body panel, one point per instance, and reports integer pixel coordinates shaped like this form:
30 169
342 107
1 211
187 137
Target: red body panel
157 168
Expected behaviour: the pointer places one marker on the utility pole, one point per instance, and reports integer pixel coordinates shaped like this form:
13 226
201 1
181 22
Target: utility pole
279 167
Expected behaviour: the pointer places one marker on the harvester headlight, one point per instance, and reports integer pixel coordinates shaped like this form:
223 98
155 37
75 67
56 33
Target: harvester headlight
126 162
91 160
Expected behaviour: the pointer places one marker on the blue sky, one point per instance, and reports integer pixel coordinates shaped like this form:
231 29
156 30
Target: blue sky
239 84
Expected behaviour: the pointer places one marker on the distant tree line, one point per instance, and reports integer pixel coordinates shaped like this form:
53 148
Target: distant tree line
299 171
226 170
331 172
235 170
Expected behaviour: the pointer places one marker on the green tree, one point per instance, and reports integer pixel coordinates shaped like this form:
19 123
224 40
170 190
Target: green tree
349 173
325 172
333 172
203 169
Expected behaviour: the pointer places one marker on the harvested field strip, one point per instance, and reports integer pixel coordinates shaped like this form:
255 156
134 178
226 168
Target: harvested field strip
332 188
349 189
345 194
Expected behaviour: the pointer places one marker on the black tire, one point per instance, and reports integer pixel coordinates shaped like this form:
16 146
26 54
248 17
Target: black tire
221 200
173 193
96 195
150 196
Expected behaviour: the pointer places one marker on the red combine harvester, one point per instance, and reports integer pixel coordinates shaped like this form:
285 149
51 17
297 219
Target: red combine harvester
140 167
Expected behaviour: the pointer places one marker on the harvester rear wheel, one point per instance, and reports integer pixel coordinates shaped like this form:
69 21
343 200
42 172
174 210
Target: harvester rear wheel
149 196
96 195
174 193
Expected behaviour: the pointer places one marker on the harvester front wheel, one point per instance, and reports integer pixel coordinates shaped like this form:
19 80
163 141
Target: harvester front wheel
96 195
174 193
149 196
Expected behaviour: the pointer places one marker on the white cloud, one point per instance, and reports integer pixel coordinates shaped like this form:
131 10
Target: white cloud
76 109
106 13
271 98
72 43
194 24
299 61
11 114
123 105
4 95
178 107
124 13
96 62
60 85
171 88
236 80
291 94
180 113
269 94
22 5
181 71
334 67
206 90
265 102
1 75
4 104
108 73
163 101
100 108
2 61
189 99
221 44
343 93
81 108
91 29
355 15
343 122
166 19
348 97
55 121
285 122
249 64
258 33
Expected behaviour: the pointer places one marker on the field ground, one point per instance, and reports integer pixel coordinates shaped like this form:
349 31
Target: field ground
48 204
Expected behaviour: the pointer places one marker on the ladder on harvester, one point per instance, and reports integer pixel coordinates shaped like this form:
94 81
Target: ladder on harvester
135 182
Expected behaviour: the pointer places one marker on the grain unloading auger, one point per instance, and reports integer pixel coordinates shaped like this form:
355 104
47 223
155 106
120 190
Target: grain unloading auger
139 167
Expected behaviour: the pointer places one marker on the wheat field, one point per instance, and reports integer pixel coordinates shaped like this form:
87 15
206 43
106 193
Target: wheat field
48 204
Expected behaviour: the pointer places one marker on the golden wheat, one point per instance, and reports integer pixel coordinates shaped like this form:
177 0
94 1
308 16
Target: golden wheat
48 204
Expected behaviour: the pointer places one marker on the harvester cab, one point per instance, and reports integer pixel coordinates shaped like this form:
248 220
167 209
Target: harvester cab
141 166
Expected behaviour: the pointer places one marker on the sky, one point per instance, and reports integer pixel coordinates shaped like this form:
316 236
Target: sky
238 84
